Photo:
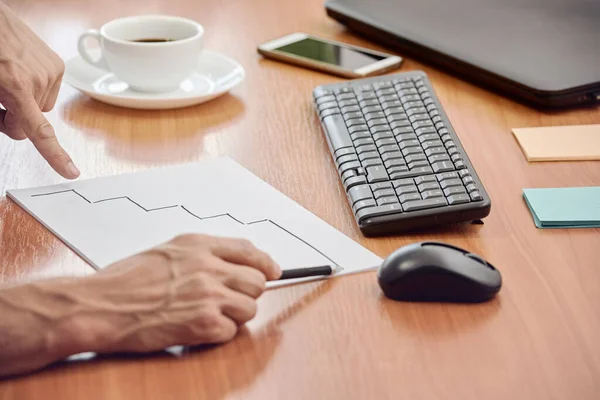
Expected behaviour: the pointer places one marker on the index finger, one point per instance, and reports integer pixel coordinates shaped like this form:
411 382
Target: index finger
40 132
243 252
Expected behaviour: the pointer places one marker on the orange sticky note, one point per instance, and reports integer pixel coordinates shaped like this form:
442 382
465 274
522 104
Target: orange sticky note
560 143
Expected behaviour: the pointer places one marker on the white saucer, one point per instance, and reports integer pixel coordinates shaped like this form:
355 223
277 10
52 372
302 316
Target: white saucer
216 75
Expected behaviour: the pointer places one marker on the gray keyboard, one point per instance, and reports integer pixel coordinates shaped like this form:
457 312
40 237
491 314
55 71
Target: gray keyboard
398 157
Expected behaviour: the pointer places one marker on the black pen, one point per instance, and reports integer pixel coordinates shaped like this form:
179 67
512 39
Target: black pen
324 270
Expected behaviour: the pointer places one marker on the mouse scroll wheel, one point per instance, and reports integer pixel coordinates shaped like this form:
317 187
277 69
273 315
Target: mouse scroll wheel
479 259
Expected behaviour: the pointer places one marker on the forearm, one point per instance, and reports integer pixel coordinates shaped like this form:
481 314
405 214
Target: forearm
34 320
47 321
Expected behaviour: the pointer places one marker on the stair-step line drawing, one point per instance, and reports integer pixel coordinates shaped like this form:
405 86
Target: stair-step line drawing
201 218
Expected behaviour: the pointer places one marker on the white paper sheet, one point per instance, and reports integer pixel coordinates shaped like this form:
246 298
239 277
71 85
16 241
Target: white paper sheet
107 219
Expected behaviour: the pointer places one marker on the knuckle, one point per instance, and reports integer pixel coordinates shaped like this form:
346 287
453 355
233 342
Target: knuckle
44 132
189 239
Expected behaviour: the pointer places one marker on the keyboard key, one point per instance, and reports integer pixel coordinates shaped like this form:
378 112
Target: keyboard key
471 187
387 200
454 190
365 149
396 162
425 179
350 115
439 157
419 117
359 205
402 182
360 135
363 142
405 136
460 165
378 211
374 115
468 179
348 174
400 190
428 137
424 204
435 150
361 192
366 95
385 92
343 151
379 128
409 197
377 121
389 148
350 109
446 138
345 96
450 183
456 157
458 199
402 130
358 128
370 109
380 186
372 162
325 99
476 196
397 169
346 158
439 125
367 103
395 114
412 172
452 150
355 121
400 123
415 157
464 172
425 130
337 132
423 187
385 142
355 181
436 119
430 144
412 150
447 175
383 135
389 104
409 143
384 192
328 112
345 103
392 155
410 97
328 104
432 193
442 166
376 174
368 155
414 108
422 124
348 165
389 98
418 164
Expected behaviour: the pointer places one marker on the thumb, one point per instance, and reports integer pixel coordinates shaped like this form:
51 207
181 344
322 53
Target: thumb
40 132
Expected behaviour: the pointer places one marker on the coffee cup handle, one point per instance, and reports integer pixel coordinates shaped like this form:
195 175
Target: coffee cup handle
83 51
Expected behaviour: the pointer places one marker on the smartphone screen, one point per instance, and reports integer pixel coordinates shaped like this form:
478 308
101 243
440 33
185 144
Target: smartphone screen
340 56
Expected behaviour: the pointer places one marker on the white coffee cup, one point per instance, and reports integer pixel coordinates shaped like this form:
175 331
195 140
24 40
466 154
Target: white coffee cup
147 66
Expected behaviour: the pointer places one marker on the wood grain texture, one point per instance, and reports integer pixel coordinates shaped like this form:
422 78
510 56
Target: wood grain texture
340 339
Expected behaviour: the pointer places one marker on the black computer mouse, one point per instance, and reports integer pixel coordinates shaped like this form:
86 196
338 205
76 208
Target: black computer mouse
431 271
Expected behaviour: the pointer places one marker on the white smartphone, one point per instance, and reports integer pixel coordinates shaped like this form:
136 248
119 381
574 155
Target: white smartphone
329 56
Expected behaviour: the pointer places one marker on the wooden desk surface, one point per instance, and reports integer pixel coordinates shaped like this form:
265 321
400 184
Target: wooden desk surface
340 339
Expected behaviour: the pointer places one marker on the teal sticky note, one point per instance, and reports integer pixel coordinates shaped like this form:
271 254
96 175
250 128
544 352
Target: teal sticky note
576 207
